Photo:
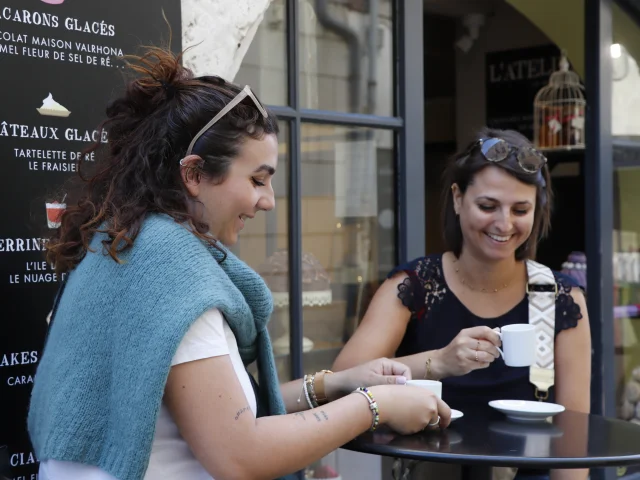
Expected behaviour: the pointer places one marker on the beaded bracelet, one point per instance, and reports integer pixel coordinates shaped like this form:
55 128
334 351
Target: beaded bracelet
312 394
373 406
305 382
314 397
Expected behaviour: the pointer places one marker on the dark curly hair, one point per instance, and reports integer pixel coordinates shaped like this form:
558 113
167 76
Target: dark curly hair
137 172
462 169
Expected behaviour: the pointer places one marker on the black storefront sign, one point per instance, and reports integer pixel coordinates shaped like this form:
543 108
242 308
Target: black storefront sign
512 80
59 68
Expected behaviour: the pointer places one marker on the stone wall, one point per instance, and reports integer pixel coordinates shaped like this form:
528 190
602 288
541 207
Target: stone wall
219 32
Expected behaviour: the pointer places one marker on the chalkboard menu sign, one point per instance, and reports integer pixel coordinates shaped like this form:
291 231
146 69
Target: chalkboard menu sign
59 68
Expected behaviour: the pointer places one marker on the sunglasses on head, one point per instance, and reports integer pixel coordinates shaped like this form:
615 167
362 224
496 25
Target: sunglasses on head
245 92
497 150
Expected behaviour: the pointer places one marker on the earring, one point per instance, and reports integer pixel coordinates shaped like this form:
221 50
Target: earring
182 162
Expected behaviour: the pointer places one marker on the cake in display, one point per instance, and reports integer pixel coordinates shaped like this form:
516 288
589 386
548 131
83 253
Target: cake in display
316 290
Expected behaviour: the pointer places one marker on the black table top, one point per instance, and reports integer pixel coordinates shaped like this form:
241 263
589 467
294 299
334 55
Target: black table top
487 437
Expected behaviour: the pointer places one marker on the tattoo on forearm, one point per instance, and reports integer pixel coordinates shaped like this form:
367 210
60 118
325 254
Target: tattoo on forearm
241 411
301 415
321 415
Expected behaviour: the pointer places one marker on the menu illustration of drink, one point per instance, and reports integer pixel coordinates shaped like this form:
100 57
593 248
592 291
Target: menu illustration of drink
60 68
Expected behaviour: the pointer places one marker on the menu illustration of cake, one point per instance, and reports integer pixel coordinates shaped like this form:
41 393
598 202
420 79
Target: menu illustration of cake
52 108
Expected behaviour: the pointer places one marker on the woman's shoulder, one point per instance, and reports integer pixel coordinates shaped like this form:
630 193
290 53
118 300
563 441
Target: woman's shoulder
164 230
162 248
422 267
567 311
423 284
566 284
163 236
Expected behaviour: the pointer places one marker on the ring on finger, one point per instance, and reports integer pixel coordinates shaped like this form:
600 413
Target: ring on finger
437 422
477 360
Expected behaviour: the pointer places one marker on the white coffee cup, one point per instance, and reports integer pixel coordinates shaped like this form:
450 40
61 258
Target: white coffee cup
518 344
434 385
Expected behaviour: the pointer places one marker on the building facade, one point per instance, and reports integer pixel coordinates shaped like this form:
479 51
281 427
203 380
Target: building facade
373 96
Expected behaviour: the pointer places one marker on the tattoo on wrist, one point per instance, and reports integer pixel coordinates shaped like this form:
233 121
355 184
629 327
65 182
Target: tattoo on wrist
301 415
317 417
326 417
241 411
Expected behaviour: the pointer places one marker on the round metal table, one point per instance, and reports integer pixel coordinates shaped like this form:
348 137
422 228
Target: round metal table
486 438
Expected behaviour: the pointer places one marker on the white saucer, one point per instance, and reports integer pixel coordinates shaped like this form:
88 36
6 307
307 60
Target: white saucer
456 414
526 410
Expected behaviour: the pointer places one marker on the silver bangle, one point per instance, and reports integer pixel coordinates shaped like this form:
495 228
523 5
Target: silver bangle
306 392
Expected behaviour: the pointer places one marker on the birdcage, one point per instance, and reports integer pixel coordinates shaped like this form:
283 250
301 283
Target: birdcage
559 111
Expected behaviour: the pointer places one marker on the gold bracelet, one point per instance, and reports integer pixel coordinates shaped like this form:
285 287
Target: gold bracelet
318 387
427 372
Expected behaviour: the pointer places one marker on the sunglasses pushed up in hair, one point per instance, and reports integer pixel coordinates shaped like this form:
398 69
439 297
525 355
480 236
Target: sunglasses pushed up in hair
497 150
245 92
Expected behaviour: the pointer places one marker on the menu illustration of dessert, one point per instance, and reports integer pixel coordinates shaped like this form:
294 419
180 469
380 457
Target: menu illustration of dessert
53 108
55 210
64 62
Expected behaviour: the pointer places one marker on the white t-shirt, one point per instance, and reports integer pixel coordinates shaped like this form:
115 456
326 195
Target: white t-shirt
171 457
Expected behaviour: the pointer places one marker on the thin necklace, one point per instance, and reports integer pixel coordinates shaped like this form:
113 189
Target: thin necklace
472 288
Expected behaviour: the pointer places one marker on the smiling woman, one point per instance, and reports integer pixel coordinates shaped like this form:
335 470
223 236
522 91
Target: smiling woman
439 313
246 188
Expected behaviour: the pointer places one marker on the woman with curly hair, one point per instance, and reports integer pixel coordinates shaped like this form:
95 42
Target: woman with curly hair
143 373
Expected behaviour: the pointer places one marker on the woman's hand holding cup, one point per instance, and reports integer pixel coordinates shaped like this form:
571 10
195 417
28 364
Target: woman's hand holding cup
406 409
472 349
409 409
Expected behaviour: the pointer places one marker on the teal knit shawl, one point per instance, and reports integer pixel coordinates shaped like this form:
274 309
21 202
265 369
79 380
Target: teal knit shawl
101 378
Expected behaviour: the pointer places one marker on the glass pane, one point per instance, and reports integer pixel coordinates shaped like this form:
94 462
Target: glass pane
510 51
347 231
348 245
264 66
626 235
346 56
263 246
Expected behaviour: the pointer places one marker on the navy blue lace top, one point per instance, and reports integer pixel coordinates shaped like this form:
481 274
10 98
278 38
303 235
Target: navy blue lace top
437 316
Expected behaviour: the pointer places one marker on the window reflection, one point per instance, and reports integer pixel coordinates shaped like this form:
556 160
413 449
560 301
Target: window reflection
264 66
348 237
346 56
264 236
626 236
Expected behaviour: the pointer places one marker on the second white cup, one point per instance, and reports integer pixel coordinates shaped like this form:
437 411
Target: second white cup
518 344
434 385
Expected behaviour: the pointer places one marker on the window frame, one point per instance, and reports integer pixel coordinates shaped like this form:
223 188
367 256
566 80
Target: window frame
407 125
